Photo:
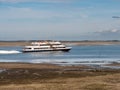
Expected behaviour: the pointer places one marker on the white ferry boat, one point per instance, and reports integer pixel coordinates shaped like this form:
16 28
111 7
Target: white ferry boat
46 46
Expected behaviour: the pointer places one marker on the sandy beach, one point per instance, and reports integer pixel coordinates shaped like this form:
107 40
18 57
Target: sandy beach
25 76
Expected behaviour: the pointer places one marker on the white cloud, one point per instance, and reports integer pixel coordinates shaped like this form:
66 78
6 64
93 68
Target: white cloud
114 30
113 34
109 31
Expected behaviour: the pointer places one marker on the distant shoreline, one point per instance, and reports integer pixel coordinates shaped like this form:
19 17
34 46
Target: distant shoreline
80 43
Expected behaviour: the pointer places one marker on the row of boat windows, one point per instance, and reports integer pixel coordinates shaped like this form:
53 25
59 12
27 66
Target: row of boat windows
40 48
43 48
37 48
45 44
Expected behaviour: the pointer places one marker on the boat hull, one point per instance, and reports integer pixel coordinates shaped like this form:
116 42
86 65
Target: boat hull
64 50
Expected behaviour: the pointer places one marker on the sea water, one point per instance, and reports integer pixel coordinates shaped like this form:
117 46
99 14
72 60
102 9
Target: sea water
92 55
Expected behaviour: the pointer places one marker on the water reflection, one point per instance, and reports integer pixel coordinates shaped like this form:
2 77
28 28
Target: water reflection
54 53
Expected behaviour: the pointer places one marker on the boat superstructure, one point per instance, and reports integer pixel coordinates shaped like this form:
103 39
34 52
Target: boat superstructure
46 46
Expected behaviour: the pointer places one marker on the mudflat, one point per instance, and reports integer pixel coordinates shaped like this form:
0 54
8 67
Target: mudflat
25 76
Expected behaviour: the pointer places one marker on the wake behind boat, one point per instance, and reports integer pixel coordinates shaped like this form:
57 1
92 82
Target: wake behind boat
46 46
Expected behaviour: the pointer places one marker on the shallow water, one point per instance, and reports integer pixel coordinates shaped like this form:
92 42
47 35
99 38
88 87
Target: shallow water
92 55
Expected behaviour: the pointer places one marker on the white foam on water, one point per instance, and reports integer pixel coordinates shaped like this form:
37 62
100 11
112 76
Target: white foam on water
76 61
9 52
66 61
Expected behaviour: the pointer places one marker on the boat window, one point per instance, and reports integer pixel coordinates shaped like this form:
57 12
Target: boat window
41 48
27 48
56 44
35 44
43 44
60 47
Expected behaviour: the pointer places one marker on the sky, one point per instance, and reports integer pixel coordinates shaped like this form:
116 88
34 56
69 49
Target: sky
59 19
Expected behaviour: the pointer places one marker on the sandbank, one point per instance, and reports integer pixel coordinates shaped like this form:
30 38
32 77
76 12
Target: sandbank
23 43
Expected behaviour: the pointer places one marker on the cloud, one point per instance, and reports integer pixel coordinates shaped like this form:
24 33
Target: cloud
117 17
113 34
108 31
49 1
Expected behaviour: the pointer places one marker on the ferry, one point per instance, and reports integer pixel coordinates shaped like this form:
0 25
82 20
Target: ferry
46 46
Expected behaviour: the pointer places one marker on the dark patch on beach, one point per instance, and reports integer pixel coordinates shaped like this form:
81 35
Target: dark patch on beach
29 76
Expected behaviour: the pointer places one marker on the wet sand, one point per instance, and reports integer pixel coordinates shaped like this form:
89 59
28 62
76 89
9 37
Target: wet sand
25 76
